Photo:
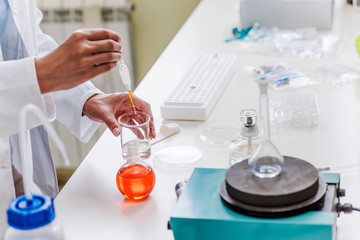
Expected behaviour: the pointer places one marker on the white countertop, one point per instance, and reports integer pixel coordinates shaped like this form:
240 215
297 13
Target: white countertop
90 205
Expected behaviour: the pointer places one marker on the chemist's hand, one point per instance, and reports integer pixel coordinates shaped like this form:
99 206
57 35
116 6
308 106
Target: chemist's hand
84 55
108 108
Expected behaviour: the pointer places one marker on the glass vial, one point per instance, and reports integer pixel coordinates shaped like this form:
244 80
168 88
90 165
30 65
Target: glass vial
135 179
247 142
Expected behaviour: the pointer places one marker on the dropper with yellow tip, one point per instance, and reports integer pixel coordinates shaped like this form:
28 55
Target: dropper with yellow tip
125 77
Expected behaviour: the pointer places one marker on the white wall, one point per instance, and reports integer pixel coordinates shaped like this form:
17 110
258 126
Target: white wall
155 23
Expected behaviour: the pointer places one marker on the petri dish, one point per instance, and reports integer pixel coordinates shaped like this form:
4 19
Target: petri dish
177 158
219 132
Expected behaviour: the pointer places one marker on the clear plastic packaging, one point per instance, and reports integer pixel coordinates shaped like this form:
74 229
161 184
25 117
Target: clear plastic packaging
304 42
281 76
318 47
334 73
294 110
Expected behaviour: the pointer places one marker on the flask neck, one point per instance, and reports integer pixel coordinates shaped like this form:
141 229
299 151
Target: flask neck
249 132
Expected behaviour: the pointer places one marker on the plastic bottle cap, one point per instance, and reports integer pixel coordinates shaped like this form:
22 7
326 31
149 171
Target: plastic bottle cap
29 214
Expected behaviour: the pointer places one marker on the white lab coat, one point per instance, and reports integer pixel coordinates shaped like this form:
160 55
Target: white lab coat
18 86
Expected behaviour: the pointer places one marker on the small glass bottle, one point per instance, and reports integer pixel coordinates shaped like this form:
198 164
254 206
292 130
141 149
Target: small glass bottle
247 142
135 179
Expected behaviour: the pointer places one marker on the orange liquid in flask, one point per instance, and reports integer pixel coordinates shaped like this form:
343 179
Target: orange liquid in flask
135 182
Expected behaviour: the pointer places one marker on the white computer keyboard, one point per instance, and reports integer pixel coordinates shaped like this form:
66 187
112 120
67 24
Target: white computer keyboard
196 93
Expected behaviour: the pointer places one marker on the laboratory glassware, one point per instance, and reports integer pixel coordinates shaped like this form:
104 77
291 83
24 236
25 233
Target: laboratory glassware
30 216
244 146
266 162
135 127
177 158
135 179
218 132
125 77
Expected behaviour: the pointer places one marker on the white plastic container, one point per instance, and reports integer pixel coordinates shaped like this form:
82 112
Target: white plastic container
287 13
33 219
50 231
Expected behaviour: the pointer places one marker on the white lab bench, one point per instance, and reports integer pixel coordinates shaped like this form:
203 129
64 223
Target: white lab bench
90 205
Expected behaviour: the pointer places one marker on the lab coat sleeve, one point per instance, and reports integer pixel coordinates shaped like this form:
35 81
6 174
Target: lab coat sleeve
69 107
69 103
45 43
18 87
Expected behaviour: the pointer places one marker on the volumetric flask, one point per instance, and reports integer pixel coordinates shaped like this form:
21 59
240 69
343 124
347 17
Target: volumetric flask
266 161
135 127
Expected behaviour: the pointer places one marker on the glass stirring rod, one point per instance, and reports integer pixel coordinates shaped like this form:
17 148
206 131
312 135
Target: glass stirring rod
125 77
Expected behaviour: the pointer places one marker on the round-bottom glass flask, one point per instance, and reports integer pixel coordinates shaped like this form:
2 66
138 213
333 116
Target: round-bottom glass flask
135 179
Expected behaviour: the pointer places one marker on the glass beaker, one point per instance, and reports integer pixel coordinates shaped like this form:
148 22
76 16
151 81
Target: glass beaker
135 179
135 128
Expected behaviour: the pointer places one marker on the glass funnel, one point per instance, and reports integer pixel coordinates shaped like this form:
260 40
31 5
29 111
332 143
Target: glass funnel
266 161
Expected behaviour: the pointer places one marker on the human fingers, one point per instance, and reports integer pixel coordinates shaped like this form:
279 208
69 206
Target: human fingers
145 107
97 70
107 45
81 66
111 123
99 34
101 58
78 77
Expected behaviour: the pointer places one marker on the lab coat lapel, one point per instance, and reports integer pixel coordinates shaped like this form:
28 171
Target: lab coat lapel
24 15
